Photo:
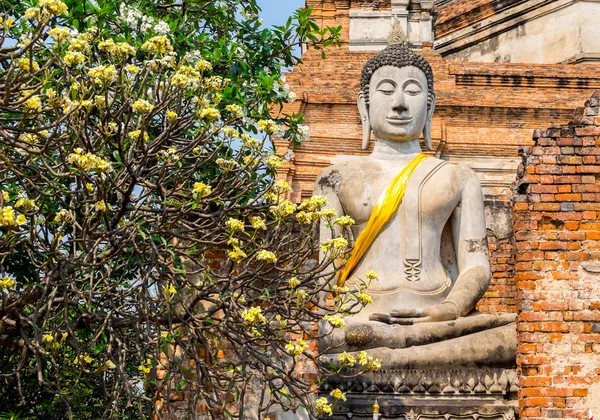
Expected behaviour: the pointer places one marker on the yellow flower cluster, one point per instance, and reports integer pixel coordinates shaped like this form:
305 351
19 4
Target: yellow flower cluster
338 395
131 69
328 214
134 135
59 34
185 76
235 225
231 132
233 242
268 126
33 104
371 275
251 161
158 45
294 282
368 361
120 49
7 22
79 44
345 221
202 190
266 256
336 321
84 359
300 295
227 164
237 254
235 110
103 75
147 368
142 106
346 359
54 7
283 208
27 64
364 299
88 162
296 348
100 206
170 155
253 316
282 322
169 291
250 142
172 115
215 83
307 218
334 245
74 58
209 114
323 407
26 204
63 215
258 223
6 283
32 13
314 203
282 187
9 218
203 65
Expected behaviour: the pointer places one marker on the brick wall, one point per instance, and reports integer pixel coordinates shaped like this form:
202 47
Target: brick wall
557 239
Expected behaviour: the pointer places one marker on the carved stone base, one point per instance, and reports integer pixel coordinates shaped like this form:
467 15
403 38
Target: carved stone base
469 394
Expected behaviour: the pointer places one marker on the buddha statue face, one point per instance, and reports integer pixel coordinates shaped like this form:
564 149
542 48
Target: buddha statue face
398 103
396 100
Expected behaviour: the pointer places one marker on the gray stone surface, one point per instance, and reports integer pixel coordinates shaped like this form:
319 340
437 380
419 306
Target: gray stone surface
536 31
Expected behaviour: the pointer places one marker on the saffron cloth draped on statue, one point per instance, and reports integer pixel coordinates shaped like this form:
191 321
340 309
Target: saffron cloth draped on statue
385 208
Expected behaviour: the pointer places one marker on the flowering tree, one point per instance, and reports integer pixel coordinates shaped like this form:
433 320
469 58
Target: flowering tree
145 249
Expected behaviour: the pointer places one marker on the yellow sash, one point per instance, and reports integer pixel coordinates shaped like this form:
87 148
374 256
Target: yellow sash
385 208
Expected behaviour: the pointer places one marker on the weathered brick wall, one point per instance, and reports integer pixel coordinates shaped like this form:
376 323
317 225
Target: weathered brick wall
461 13
557 239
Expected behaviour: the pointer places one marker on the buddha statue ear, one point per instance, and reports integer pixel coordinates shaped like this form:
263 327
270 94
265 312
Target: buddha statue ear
364 119
428 123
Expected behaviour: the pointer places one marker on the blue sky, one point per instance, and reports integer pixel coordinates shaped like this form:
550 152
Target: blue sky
276 12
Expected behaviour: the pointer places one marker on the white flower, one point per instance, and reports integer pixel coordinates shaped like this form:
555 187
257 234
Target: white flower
162 28
304 132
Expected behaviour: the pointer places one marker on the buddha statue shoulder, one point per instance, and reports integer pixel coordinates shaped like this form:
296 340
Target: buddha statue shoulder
420 227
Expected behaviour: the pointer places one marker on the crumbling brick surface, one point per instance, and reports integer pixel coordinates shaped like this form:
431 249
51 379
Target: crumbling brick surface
556 224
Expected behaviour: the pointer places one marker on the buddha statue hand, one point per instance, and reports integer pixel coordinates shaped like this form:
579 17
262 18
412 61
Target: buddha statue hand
447 311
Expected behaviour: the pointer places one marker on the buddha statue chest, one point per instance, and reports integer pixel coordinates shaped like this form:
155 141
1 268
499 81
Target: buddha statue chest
413 255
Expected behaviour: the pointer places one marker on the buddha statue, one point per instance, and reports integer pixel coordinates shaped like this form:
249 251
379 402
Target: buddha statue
428 246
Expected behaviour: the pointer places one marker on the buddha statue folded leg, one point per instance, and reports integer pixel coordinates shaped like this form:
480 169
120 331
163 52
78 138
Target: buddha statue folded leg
367 335
495 347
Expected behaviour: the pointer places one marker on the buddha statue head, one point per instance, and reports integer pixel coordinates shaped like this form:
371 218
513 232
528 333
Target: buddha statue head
396 100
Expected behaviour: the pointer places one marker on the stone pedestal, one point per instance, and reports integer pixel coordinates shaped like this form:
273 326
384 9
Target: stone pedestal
468 394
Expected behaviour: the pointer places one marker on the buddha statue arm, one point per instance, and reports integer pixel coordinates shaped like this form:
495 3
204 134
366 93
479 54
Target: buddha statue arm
326 186
470 243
